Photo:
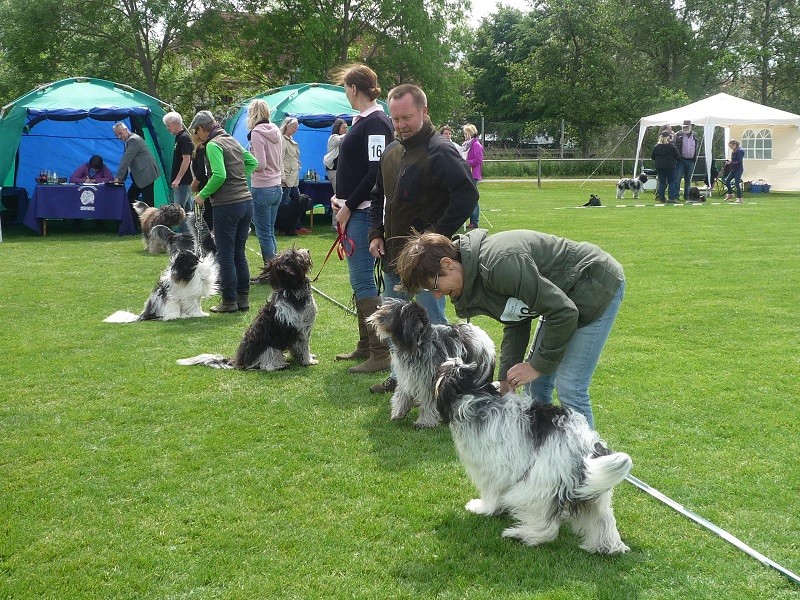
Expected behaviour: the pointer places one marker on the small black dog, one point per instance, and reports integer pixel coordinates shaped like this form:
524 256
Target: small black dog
593 201
290 213
695 195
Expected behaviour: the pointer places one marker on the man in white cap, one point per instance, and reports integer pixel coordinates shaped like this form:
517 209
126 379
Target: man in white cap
687 144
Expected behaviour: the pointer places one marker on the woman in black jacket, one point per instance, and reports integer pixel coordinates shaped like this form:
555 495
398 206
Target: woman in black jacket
666 157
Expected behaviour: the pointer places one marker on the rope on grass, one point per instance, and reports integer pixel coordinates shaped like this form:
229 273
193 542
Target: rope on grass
346 309
711 527
609 154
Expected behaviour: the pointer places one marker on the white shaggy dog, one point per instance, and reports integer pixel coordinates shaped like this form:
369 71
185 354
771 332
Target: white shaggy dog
191 276
283 323
541 463
634 185
418 348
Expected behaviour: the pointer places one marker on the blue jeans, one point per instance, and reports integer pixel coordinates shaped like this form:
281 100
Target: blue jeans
666 184
736 177
684 170
182 196
572 377
265 209
428 301
476 212
361 264
231 228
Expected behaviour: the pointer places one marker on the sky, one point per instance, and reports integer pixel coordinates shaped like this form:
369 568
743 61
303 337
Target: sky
483 8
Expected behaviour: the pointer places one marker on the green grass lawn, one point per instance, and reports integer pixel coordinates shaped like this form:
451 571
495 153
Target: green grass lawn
124 475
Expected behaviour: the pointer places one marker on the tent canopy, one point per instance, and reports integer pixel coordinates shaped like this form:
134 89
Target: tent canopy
315 105
58 126
720 110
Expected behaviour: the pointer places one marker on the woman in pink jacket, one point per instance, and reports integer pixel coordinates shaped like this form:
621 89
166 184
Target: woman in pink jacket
473 153
265 146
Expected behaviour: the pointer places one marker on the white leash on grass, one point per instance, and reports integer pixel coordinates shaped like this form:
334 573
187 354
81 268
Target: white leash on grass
711 527
320 292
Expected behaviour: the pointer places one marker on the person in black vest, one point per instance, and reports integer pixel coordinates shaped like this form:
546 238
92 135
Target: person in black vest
227 165
666 156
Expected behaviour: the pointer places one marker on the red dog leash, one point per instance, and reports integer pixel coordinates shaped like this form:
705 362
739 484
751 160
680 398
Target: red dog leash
344 247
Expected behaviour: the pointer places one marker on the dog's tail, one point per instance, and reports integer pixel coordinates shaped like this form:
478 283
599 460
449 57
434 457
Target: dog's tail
215 361
602 473
121 316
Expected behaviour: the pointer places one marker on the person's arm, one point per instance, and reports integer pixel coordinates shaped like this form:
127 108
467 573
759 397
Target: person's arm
216 161
517 276
455 176
79 175
475 156
258 149
185 160
103 175
131 148
250 162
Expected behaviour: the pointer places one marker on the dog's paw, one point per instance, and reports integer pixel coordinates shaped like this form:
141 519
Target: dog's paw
400 406
425 423
609 548
311 361
479 507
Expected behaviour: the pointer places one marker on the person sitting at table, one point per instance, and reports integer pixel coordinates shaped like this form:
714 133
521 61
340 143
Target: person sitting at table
94 171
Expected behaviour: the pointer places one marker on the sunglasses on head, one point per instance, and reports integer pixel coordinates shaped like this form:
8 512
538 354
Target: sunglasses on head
435 287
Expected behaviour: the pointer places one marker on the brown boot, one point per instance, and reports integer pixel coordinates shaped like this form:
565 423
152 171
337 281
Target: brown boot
379 359
362 347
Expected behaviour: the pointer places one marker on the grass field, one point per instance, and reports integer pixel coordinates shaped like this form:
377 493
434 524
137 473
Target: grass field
123 475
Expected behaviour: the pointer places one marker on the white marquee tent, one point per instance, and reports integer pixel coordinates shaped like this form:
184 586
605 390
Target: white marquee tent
749 122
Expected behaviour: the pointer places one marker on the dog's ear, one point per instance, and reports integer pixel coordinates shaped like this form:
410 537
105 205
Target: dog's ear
164 233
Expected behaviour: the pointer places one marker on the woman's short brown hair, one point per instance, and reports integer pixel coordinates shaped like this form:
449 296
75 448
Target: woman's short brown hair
420 260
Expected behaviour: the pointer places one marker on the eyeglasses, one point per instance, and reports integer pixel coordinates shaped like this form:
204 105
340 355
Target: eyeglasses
435 287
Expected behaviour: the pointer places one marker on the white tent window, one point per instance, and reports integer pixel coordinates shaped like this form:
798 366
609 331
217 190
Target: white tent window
757 145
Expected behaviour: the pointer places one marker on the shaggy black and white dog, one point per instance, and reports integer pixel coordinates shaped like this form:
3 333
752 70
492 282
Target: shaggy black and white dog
634 185
419 347
283 324
171 216
540 463
191 276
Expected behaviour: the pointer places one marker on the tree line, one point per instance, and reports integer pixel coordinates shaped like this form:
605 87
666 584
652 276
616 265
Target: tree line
595 65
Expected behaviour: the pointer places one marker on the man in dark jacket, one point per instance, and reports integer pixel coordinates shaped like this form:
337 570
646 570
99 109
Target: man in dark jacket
423 184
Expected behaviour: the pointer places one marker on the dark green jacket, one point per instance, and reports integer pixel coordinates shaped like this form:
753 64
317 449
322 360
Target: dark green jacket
427 186
516 276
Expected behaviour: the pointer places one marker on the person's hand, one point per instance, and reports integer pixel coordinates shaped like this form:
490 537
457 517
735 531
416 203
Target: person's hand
335 205
376 247
198 199
518 375
175 184
343 215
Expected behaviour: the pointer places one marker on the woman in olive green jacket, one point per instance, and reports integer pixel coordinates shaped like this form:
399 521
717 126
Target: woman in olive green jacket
573 288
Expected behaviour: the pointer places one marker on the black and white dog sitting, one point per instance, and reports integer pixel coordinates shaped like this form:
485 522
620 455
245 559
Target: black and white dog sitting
541 463
283 323
419 347
171 216
631 184
191 276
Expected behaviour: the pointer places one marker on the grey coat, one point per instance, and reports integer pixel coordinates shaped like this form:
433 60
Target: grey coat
138 159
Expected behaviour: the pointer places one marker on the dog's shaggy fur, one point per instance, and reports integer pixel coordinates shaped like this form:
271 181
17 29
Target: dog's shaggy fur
283 323
191 276
635 185
418 348
540 463
171 216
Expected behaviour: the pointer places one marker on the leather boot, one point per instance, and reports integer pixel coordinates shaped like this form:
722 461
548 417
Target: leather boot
362 347
379 359
243 301
225 306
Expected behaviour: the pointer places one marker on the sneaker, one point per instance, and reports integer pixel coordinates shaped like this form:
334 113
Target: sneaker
387 385
471 226
303 231
737 201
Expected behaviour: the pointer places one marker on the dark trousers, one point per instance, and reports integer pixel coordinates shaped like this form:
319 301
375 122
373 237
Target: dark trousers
148 197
